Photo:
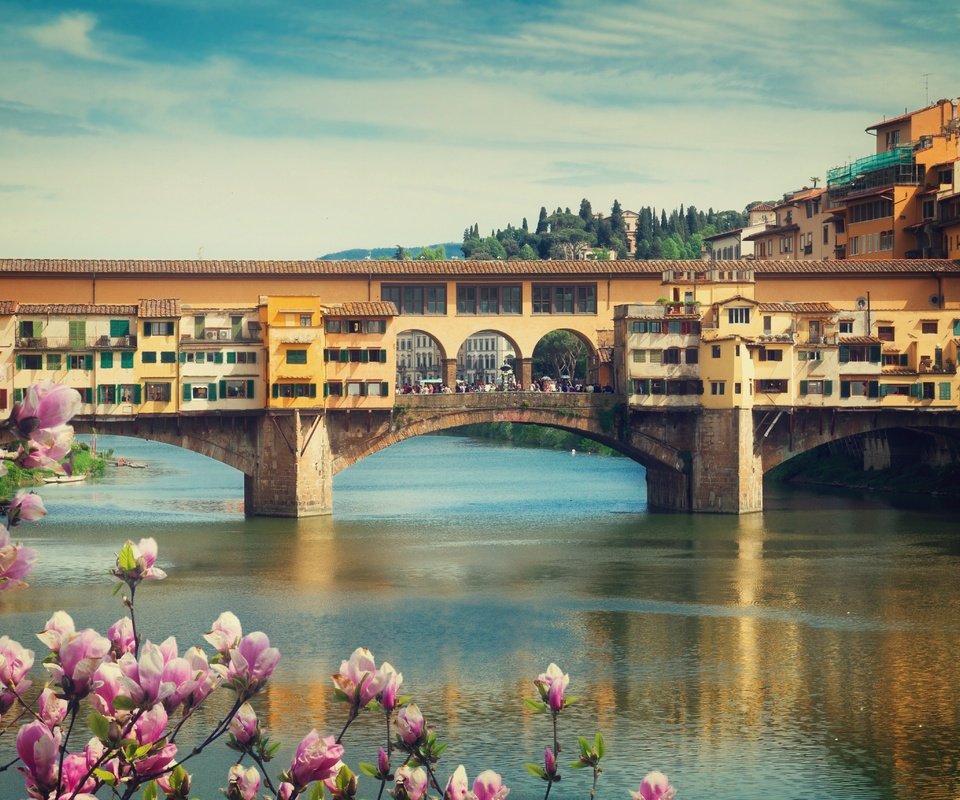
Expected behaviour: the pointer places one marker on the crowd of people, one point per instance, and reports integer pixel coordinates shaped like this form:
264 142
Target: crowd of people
541 385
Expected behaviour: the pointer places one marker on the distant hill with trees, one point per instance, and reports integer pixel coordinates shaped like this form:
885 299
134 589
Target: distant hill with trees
447 250
563 234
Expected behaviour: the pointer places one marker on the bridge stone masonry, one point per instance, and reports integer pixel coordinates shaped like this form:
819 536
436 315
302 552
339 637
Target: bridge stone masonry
697 460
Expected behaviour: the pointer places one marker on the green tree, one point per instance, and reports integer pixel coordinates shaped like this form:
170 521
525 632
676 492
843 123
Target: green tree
560 353
400 254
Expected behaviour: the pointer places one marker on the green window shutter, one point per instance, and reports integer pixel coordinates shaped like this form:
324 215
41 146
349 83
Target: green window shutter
169 328
275 390
187 391
344 356
313 390
126 359
19 362
218 357
106 359
904 360
364 356
223 389
88 362
363 390
803 388
183 358
146 329
138 393
844 354
828 388
250 390
844 388
873 388
18 395
99 393
119 327
326 389
875 354
884 390
916 391
231 357
385 389
383 356
945 391
78 332
211 391
956 327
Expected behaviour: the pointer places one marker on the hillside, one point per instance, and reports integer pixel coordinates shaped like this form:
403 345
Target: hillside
376 253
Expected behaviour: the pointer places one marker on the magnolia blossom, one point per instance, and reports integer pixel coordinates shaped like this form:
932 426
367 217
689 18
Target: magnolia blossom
45 405
39 751
552 685
317 759
51 709
225 633
383 762
242 784
252 662
81 653
243 726
359 679
457 786
47 448
25 507
144 556
410 726
57 628
121 637
16 561
15 662
489 786
549 763
391 681
109 683
411 784
285 790
208 676
655 786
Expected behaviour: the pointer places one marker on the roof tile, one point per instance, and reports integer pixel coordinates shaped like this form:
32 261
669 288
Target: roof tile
159 309
85 309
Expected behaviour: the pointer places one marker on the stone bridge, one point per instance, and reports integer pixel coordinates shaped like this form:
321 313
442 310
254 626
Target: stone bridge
696 459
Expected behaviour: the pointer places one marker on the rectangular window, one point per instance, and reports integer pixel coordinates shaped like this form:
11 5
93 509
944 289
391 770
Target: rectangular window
354 326
466 299
374 326
639 356
30 361
809 355
296 356
656 356
541 300
355 389
846 326
333 389
119 327
126 359
718 387
885 333
332 326
586 299
78 362
563 299
928 326
106 359
306 320
715 351
738 315
771 354
158 329
553 299
168 357
375 389
78 333
156 392
489 300
770 387
236 390
55 360
692 355
148 357
199 392
510 300
294 390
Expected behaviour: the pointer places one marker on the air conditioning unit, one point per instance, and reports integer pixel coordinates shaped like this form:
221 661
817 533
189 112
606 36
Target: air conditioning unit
224 334
210 335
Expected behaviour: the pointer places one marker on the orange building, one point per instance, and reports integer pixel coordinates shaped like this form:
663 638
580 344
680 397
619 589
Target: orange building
887 204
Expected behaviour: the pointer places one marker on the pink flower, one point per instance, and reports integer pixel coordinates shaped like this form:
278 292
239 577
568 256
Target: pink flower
109 683
225 633
80 655
47 448
457 786
552 685
359 678
39 750
242 784
121 637
58 628
243 726
75 775
410 727
51 709
411 784
150 725
285 790
15 662
45 405
208 676
550 763
25 507
316 759
383 763
489 786
390 680
135 562
655 786
252 662
16 562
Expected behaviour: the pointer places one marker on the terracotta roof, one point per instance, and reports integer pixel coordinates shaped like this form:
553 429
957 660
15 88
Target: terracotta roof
739 298
157 309
899 371
362 309
723 234
780 229
760 207
427 269
8 307
904 116
806 194
86 309
799 308
860 340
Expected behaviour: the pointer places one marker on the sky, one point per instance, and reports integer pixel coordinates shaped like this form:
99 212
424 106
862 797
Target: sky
250 129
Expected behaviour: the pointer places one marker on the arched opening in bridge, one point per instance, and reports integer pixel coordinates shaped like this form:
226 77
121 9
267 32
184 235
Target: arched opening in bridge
487 358
419 360
562 360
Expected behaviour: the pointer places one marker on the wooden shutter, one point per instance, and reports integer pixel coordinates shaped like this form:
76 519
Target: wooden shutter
223 389
326 389
119 327
274 390
313 390
231 357
803 388
873 388
844 388
945 390
187 388
106 359
88 362
137 393
828 388
250 389
385 389
844 355
212 391
875 354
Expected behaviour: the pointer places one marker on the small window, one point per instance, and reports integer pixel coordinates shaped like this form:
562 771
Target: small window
168 357
715 351
738 315
928 326
718 387
157 392
375 326
846 326
296 356
885 333
148 357
332 326
199 392
306 320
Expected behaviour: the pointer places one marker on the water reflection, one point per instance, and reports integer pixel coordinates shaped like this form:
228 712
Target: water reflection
730 652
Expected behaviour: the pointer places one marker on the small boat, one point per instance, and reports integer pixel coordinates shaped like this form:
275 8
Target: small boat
64 478
122 462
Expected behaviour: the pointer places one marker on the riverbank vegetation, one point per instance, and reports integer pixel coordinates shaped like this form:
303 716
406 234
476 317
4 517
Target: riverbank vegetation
83 459
821 466
532 436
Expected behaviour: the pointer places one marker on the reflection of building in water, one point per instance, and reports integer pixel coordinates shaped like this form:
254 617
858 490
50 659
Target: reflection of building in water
481 357
418 357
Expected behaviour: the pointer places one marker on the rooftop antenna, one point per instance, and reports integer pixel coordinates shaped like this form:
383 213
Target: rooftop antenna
926 87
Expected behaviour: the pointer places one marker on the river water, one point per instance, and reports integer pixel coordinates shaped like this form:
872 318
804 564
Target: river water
808 652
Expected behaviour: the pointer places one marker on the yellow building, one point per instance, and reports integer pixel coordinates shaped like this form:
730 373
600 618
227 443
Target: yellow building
359 355
157 361
294 350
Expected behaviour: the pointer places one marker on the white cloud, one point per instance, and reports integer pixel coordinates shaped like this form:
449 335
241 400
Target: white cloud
69 33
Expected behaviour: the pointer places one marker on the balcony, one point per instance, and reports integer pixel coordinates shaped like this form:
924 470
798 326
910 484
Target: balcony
221 335
787 337
825 340
115 343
